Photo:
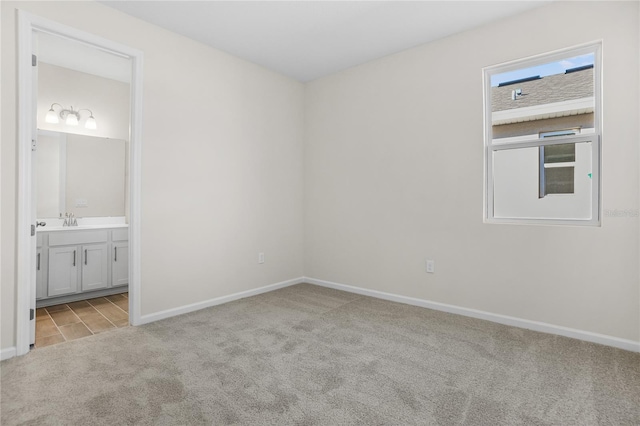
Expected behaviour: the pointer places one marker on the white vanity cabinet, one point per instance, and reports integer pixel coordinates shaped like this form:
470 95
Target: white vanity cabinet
95 267
63 271
120 264
81 264
120 258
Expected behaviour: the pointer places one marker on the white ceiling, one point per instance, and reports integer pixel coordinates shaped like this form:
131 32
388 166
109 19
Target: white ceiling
310 39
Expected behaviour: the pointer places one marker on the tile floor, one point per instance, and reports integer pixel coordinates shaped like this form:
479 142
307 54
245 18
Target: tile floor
70 321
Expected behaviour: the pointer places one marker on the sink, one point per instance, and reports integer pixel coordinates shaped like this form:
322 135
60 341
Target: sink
55 223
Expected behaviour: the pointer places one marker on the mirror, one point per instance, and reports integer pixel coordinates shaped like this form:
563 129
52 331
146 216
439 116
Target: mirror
81 169
83 175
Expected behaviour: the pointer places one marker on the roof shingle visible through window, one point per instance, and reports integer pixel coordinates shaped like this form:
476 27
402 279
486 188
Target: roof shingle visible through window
550 89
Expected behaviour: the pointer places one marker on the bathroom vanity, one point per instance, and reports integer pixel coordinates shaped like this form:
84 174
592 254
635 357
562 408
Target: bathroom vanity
83 262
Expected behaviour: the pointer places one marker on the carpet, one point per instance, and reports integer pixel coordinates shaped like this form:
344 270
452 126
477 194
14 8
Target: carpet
308 355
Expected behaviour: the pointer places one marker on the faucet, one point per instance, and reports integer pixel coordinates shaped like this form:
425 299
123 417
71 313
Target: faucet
69 220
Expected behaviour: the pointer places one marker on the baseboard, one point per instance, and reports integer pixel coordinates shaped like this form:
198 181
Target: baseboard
145 319
7 353
58 300
602 339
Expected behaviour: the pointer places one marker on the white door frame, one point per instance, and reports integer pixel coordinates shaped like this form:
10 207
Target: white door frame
27 23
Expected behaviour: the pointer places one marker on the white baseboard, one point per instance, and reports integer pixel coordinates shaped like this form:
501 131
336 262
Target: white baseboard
7 353
588 336
602 339
145 319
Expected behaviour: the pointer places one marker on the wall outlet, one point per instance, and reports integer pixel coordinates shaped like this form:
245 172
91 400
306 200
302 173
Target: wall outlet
260 257
430 266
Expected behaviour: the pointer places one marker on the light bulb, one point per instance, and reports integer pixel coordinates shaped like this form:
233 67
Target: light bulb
72 119
52 117
91 123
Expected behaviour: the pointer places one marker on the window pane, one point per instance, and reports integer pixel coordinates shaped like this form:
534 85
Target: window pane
534 100
564 153
516 185
542 147
559 180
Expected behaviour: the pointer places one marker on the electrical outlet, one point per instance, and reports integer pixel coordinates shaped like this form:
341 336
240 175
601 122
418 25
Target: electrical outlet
260 257
431 266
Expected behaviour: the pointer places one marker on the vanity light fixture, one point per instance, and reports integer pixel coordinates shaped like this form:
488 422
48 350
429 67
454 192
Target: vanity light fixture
70 116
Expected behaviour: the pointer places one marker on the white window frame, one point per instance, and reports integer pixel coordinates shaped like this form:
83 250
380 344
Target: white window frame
491 146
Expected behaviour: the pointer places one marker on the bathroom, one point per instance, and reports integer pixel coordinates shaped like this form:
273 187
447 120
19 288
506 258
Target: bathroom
80 187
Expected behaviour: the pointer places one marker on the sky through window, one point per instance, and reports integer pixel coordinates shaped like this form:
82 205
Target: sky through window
558 67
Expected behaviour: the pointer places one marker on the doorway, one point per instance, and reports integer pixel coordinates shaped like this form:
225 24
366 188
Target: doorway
30 27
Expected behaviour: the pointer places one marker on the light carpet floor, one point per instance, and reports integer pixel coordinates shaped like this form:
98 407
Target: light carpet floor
309 355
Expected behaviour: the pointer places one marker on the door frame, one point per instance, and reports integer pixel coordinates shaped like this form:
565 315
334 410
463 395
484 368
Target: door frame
25 274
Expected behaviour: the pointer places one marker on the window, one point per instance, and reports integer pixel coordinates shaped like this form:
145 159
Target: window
557 165
542 139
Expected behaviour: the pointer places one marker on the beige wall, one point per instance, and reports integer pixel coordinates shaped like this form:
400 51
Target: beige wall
393 166
394 175
221 164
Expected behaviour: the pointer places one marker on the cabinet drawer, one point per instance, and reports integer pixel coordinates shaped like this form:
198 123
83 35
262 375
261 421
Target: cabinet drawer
120 234
78 237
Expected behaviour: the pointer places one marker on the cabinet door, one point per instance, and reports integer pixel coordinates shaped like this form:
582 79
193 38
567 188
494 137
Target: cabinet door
63 270
94 267
41 282
120 264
